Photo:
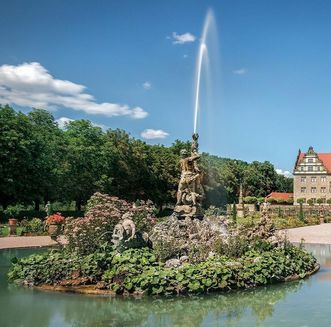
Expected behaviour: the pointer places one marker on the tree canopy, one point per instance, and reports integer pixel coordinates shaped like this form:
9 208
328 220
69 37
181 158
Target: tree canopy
41 162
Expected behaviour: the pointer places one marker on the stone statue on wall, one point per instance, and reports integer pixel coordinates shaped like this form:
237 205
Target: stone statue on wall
190 191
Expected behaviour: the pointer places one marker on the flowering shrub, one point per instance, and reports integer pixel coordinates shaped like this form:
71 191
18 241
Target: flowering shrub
85 234
33 226
56 218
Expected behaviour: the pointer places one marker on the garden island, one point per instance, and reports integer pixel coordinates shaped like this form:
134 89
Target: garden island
120 247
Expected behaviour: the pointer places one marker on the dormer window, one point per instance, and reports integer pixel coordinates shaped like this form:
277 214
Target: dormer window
310 160
310 168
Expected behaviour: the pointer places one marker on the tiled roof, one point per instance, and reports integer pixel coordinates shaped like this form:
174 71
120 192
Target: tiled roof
324 157
280 196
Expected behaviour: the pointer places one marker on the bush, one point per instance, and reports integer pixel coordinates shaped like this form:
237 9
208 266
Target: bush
311 202
33 226
103 213
250 200
13 211
272 201
301 200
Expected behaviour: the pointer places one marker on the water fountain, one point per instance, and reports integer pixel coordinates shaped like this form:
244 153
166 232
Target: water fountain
190 191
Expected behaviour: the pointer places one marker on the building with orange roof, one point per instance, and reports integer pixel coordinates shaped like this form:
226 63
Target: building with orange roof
280 196
312 176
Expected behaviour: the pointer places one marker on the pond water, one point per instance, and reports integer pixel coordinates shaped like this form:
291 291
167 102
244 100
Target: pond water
303 303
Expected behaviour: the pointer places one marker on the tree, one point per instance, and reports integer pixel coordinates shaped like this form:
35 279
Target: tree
16 157
260 178
48 156
83 163
284 184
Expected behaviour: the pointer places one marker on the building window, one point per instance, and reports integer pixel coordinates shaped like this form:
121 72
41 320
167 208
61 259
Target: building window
303 179
310 160
323 179
313 190
303 190
313 179
310 168
323 189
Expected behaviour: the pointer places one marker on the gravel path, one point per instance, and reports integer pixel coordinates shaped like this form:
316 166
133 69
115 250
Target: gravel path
25 242
318 234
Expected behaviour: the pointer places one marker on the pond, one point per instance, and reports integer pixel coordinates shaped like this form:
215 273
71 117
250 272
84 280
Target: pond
303 303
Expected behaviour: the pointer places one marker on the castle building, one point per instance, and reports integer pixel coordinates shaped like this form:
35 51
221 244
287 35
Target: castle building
312 177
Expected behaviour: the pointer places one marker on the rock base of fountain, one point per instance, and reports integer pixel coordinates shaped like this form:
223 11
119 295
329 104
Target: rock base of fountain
180 236
183 211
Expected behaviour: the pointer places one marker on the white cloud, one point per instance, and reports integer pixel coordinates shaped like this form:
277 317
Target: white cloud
285 173
31 85
147 85
182 38
240 71
63 121
151 134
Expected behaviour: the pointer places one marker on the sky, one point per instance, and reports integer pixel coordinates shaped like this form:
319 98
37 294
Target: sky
131 65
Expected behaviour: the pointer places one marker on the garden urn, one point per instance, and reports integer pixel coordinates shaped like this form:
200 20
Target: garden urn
54 230
12 226
12 221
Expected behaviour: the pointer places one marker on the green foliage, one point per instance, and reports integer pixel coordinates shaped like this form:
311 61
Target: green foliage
301 213
251 200
54 266
234 213
301 200
310 202
138 271
33 226
40 162
321 200
13 211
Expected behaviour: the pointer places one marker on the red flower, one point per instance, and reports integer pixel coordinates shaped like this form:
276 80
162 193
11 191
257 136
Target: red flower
56 218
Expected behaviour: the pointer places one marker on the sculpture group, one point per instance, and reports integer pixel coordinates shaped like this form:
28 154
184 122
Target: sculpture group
190 191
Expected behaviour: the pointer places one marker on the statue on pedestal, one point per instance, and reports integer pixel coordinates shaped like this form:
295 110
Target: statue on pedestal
190 191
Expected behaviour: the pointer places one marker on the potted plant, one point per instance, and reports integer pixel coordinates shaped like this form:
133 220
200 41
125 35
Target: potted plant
12 212
55 223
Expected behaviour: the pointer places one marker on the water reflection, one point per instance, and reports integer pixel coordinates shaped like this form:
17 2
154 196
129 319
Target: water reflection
27 307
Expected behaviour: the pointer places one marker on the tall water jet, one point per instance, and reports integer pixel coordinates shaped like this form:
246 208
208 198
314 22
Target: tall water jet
202 58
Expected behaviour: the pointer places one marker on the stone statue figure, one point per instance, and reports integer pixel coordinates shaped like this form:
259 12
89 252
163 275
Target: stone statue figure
125 230
48 208
190 190
125 235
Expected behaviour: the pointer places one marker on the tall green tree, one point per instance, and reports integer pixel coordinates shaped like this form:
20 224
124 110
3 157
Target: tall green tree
48 157
17 151
83 163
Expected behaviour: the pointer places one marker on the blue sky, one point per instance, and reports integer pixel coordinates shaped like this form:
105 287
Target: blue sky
271 94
